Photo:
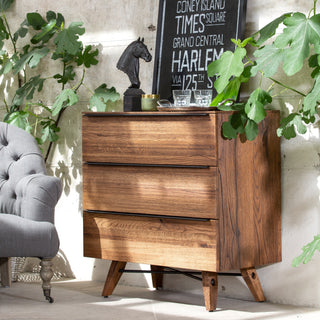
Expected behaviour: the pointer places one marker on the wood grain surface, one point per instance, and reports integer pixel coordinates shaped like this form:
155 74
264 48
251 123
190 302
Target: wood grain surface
241 187
189 140
163 242
186 192
250 197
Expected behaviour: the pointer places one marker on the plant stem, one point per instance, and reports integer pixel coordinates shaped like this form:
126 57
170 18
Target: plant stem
61 112
5 103
261 78
76 87
314 9
271 86
9 32
281 92
287 87
58 118
249 61
51 143
13 44
63 73
88 88
35 127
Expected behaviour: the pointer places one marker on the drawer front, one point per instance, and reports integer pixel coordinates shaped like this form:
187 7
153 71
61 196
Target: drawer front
164 242
186 192
184 140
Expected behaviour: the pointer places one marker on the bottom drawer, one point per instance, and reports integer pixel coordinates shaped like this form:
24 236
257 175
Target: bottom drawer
158 241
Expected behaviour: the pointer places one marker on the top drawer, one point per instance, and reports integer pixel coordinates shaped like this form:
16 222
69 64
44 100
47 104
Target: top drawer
144 138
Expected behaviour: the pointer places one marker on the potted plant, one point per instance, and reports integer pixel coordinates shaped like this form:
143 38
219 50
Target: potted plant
21 53
260 57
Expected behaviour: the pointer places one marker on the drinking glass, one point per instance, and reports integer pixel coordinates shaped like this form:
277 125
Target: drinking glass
181 98
202 97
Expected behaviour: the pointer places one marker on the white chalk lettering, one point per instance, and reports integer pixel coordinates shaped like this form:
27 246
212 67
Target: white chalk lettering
209 40
188 6
190 24
193 60
215 17
183 42
208 5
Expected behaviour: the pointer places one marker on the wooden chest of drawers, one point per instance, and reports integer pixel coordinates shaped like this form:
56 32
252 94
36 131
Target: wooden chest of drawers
166 189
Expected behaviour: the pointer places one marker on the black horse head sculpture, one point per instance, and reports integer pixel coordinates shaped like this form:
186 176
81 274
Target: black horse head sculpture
129 60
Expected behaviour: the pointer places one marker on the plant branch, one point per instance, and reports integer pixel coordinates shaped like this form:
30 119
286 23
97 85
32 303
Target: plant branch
51 143
281 92
76 87
5 103
261 78
64 72
9 32
91 92
287 87
20 82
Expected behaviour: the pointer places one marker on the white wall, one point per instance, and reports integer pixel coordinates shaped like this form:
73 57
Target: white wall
114 24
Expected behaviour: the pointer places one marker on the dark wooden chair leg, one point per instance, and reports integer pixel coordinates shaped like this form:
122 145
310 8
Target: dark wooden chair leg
113 277
5 271
251 278
210 289
157 278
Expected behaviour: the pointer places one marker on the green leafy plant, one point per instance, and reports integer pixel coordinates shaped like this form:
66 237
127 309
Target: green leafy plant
46 38
308 252
299 42
286 44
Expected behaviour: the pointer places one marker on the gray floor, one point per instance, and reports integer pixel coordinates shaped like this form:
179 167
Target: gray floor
82 300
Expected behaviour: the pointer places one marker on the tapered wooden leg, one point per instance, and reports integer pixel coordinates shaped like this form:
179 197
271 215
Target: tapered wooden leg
113 277
251 278
5 271
210 289
157 278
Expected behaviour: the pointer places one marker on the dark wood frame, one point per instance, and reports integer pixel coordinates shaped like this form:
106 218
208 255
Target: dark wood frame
162 85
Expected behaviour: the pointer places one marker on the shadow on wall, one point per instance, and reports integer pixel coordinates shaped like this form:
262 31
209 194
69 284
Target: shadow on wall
65 161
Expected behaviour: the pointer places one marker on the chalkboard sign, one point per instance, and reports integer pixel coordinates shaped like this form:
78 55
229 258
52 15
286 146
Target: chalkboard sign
192 34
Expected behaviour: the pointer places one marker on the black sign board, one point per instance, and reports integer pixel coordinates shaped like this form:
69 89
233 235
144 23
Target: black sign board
191 34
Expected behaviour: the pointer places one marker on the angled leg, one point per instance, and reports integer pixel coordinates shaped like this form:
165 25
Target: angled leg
210 289
46 275
251 278
5 272
157 278
113 277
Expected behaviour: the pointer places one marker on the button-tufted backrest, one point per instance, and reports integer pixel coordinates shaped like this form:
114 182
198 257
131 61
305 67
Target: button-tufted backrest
19 156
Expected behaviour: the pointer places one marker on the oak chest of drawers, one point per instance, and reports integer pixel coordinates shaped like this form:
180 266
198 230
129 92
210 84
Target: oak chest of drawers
166 189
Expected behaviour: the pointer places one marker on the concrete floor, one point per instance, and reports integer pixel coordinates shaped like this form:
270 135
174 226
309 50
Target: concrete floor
82 300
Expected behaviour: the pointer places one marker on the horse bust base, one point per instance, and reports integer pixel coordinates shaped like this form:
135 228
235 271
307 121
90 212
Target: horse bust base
132 99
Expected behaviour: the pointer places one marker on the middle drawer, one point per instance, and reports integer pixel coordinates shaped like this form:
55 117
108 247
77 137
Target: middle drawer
172 191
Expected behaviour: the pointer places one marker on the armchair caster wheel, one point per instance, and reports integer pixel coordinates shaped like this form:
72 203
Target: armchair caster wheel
46 293
50 299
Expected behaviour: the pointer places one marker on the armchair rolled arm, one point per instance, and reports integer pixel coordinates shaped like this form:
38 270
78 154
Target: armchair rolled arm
37 196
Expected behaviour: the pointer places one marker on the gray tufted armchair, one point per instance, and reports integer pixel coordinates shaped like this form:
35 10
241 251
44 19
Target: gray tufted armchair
27 201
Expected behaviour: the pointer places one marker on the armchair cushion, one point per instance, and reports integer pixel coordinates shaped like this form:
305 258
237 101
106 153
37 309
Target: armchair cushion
27 197
21 237
37 196
19 157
